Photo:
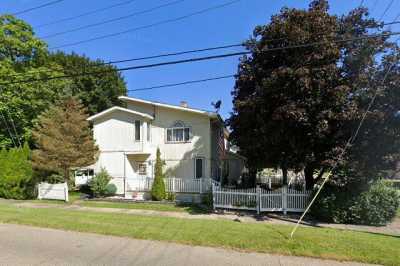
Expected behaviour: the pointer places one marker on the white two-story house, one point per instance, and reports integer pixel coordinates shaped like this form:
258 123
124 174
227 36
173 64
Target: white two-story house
192 142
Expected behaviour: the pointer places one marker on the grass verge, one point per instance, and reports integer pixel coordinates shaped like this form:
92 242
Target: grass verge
312 242
189 208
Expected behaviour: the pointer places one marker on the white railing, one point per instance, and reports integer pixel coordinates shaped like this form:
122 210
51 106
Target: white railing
242 199
175 185
53 191
282 199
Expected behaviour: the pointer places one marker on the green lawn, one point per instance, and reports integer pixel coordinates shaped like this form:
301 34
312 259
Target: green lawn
313 242
189 208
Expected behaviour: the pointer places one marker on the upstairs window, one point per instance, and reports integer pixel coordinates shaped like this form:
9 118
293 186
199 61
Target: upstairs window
178 133
137 130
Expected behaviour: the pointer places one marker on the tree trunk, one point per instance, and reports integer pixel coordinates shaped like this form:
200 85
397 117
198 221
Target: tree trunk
66 174
284 176
309 176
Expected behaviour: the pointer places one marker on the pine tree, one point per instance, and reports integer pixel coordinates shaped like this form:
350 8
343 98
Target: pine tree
158 188
64 138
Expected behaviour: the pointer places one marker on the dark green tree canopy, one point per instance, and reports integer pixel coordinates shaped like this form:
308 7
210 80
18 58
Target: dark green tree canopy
296 108
25 57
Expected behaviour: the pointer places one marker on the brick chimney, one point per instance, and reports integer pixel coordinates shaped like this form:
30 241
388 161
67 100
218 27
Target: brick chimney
184 104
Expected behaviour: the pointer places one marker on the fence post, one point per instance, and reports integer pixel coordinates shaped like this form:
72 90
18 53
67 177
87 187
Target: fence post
66 191
201 185
284 199
258 199
270 183
39 194
173 184
213 195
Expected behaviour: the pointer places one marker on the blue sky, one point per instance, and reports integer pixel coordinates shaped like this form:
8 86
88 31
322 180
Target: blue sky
228 25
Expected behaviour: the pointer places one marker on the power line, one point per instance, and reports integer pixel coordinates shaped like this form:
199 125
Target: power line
12 122
36 7
83 14
112 20
147 57
182 83
206 58
386 9
8 128
190 60
349 142
149 25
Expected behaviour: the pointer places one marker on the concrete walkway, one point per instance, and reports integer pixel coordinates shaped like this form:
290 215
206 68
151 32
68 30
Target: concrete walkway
390 229
24 245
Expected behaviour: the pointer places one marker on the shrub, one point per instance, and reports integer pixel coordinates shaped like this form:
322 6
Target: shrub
99 183
55 178
170 196
111 189
375 205
158 188
16 173
207 199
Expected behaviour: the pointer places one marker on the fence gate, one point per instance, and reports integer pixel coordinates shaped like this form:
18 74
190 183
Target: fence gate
261 200
53 191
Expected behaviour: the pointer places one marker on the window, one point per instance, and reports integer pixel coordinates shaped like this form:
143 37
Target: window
199 167
137 130
142 169
178 133
148 131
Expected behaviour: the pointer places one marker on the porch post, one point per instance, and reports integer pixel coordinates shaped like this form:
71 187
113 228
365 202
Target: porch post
124 175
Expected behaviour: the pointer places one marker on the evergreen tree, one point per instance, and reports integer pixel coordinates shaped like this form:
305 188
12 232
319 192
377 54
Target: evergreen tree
64 138
158 188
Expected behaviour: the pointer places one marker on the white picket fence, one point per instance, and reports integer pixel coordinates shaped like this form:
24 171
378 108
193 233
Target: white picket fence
260 200
53 191
172 184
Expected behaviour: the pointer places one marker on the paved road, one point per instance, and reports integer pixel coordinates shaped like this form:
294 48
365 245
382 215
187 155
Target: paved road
24 245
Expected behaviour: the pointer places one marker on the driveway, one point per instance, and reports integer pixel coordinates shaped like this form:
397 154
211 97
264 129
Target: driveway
24 245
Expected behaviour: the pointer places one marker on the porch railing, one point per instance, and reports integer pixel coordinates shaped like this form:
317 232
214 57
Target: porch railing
172 184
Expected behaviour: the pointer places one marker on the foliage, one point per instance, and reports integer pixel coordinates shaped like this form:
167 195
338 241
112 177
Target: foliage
111 189
376 205
170 196
24 57
55 178
208 200
97 92
98 184
15 173
64 139
158 188
297 108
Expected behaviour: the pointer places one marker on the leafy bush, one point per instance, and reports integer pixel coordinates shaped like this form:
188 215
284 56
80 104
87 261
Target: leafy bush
99 182
55 178
375 205
158 188
207 200
170 196
111 189
16 173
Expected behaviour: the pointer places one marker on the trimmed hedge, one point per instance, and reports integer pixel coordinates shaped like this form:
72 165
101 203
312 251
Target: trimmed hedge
377 205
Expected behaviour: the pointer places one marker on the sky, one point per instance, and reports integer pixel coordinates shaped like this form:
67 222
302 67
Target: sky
228 25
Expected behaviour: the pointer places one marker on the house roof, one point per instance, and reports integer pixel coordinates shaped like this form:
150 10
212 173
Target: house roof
170 106
117 108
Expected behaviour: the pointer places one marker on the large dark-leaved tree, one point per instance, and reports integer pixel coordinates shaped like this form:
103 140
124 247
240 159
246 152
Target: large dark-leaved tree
296 108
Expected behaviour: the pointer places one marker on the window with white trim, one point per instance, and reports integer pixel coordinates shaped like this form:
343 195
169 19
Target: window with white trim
148 131
137 130
178 133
